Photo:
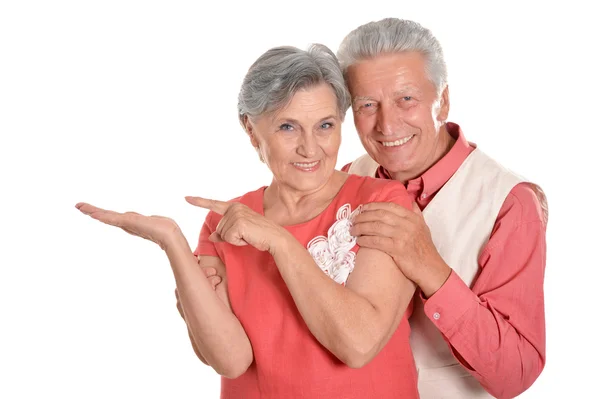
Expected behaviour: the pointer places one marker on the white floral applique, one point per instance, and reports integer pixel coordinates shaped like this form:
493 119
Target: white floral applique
333 254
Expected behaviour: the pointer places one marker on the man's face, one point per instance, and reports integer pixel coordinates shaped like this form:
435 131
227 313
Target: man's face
398 113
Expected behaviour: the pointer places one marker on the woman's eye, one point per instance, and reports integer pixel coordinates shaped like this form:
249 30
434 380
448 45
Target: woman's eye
286 126
407 98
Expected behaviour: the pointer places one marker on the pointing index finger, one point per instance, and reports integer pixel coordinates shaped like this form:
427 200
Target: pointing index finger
219 207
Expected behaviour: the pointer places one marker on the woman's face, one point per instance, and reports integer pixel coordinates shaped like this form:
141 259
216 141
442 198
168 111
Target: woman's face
300 142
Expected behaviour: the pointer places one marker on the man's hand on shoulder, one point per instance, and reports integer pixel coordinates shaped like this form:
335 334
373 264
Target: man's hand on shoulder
403 234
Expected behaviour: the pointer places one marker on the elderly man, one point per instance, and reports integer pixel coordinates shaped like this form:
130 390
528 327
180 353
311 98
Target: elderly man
475 241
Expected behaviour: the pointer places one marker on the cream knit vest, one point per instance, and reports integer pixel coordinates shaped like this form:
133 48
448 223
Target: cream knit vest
460 217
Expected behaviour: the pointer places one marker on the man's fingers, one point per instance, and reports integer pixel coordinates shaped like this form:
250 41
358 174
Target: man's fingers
380 215
375 228
209 271
214 281
384 244
219 207
386 206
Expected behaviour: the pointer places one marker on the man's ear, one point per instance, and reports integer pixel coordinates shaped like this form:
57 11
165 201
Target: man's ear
444 106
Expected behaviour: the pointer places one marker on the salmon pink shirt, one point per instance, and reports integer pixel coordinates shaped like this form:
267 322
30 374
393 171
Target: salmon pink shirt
288 360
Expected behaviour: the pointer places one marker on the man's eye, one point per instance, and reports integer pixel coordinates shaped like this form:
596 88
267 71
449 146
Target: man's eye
368 108
326 125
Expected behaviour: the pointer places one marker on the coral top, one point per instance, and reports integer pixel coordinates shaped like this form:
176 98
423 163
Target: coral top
288 360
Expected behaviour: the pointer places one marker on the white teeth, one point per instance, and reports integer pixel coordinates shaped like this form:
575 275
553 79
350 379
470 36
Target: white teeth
305 165
397 142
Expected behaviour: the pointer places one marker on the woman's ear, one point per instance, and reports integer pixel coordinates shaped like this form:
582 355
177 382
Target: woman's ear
250 131
249 128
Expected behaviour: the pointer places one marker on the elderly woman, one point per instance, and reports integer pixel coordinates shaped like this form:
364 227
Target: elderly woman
302 311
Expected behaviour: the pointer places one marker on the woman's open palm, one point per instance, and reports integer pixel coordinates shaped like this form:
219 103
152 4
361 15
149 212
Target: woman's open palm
157 229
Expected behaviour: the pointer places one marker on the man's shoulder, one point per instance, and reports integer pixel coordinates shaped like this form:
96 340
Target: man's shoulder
363 165
346 167
527 201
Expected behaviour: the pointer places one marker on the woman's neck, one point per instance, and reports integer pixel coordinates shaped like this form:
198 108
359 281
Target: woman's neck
287 206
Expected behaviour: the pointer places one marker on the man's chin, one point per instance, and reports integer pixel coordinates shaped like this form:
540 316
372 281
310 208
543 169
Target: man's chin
394 168
389 163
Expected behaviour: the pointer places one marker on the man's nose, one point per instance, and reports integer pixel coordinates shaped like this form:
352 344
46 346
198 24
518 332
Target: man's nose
388 120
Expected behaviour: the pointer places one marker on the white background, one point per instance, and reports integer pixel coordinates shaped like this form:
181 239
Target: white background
131 105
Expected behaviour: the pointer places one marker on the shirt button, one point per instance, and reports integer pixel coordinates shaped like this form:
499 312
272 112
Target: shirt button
436 316
424 195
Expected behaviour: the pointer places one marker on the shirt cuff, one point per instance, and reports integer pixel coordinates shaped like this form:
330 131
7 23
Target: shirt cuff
449 304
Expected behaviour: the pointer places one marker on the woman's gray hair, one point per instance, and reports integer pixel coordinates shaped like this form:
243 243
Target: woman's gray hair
393 35
278 74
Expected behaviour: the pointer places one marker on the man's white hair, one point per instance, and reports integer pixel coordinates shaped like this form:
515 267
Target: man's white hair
393 35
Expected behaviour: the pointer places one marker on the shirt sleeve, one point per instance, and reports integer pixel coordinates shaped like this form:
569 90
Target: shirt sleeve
497 329
205 246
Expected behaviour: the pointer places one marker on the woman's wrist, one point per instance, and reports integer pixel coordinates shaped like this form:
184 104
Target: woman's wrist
175 242
279 242
284 245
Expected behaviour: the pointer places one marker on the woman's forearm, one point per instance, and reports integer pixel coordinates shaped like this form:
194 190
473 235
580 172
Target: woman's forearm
346 323
194 347
218 335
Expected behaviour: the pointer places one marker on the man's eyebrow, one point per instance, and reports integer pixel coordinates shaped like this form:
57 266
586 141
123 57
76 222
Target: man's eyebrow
406 88
362 98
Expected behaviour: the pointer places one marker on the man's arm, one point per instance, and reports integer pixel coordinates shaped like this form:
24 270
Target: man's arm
497 328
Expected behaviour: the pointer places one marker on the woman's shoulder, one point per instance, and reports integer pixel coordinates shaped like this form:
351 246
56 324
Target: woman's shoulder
251 198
